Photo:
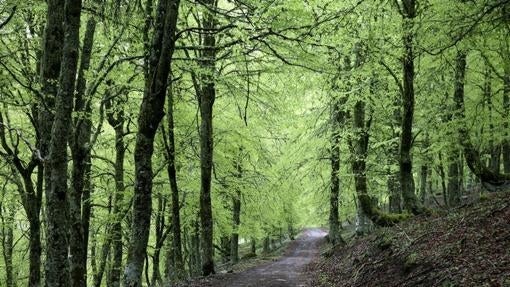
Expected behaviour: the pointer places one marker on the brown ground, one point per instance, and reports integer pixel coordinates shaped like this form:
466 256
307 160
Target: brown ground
287 271
468 247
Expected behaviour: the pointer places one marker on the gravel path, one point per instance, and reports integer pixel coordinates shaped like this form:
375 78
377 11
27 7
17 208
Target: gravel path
286 271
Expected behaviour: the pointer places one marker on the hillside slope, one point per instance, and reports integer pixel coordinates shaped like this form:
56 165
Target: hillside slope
468 247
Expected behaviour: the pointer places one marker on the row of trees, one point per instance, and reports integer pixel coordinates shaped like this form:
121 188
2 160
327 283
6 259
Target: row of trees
320 109
419 114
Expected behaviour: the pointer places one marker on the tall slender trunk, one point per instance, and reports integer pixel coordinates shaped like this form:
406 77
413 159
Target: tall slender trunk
236 221
423 182
151 113
207 97
120 150
177 262
98 271
253 246
159 227
442 174
411 202
49 72
57 206
393 181
236 212
334 223
116 119
79 205
33 210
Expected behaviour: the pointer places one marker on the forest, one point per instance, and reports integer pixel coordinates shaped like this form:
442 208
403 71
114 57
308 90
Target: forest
232 142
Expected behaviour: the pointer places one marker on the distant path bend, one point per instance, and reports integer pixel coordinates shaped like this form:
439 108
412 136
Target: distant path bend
287 271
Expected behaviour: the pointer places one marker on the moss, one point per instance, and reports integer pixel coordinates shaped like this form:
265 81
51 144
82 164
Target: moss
410 262
484 197
381 218
384 241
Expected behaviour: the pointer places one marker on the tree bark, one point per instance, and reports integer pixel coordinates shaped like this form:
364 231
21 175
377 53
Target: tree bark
236 212
454 188
160 237
393 181
337 119
50 63
116 119
151 113
411 202
423 182
206 98
79 204
176 244
57 207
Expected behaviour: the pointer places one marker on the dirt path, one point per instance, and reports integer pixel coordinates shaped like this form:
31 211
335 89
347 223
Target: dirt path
285 272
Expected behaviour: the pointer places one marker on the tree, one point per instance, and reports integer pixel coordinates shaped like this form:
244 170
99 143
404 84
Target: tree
206 97
151 113
57 206
411 203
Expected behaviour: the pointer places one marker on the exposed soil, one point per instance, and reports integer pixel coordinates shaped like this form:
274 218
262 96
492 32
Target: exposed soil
287 271
468 247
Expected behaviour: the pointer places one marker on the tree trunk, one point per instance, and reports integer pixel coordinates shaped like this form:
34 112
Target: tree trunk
195 267
236 212
359 150
266 246
116 119
57 206
49 72
160 237
337 123
176 244
207 97
454 188
472 156
395 195
105 251
253 246
33 210
151 113
236 221
79 194
411 202
423 182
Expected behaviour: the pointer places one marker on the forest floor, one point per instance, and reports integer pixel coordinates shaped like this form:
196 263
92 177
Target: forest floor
470 246
286 271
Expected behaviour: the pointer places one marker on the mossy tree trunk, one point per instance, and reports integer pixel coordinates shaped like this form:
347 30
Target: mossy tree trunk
407 185
176 262
57 271
337 121
79 199
151 113
207 96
